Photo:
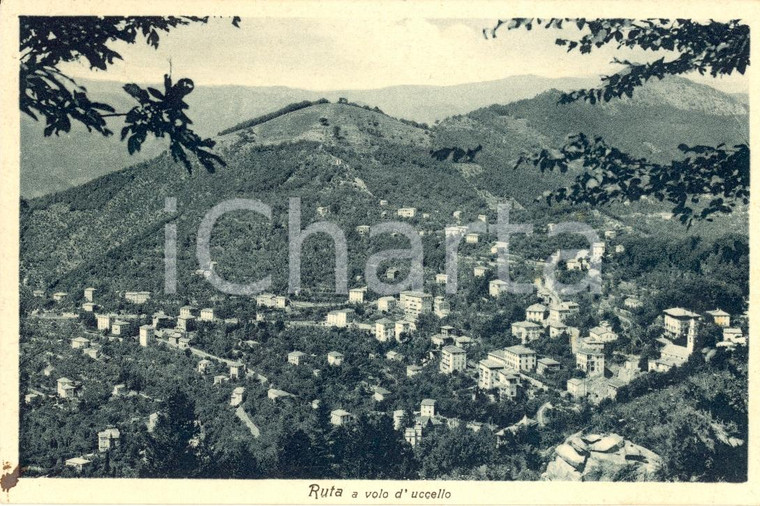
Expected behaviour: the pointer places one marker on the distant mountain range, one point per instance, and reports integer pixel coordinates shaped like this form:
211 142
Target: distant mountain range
346 158
51 164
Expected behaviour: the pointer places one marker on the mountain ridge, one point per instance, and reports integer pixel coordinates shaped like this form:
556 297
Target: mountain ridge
341 157
50 164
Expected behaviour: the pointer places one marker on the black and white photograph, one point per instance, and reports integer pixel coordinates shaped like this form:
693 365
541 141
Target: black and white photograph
410 249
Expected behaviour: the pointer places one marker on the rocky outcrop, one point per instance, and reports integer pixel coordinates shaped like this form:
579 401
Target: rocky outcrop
601 457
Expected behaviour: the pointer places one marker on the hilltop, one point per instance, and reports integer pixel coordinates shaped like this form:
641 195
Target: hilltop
50 164
346 158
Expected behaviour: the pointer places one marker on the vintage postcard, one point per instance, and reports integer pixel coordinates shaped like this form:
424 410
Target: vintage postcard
379 252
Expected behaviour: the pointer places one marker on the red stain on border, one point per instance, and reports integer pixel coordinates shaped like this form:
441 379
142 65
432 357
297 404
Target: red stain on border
9 480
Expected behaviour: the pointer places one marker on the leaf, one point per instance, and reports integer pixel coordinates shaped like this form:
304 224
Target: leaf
133 144
137 92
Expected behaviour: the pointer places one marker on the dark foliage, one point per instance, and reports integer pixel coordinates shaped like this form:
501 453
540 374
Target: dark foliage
47 42
719 174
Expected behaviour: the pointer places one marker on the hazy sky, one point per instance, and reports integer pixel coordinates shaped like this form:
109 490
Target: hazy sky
325 54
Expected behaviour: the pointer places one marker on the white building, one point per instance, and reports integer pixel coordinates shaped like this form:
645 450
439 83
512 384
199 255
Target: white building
66 388
296 357
576 387
535 313
340 417
187 312
441 307
384 329
89 294
597 250
236 399
545 364
121 328
339 317
479 271
453 359
104 321
147 333
472 238
518 358
137 297
407 212
416 303
427 408
453 231
403 327
203 365
186 323
507 381
488 373
237 370
679 321
78 463
526 331
357 295
413 370
386 303
80 343
558 312
556 329
108 438
496 287
335 358
207 314
601 333
498 247
271 300
590 361
719 317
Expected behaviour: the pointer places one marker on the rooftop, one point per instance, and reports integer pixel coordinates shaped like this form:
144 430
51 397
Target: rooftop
679 312
491 364
589 351
77 461
525 324
410 293
339 311
520 350
453 349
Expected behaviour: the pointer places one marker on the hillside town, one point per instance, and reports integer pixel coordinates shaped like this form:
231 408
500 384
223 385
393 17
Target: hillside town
455 256
547 354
